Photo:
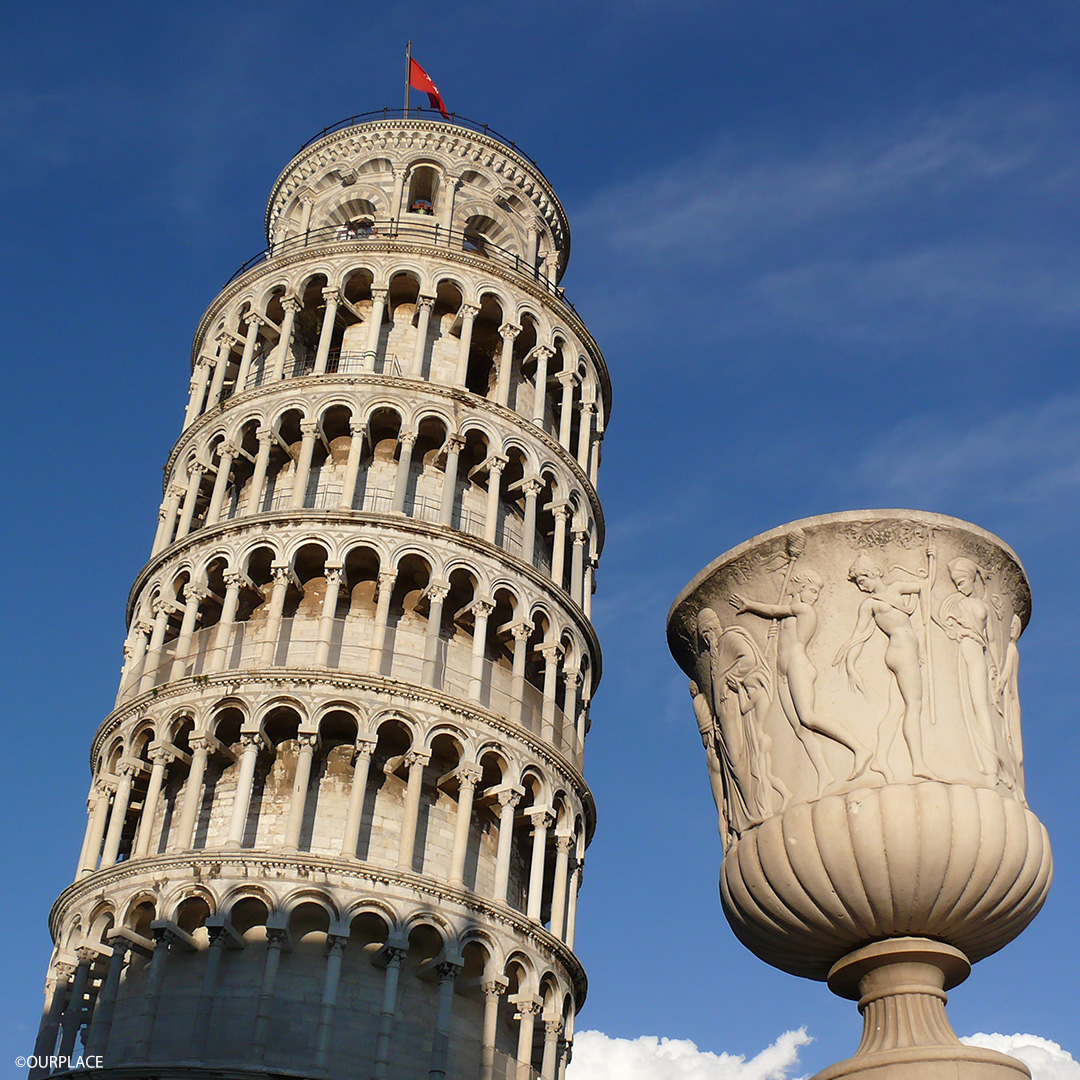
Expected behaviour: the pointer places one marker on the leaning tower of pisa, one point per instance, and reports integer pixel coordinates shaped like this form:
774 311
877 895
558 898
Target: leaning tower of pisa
337 817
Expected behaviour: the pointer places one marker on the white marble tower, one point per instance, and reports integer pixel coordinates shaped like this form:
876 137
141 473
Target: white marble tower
337 817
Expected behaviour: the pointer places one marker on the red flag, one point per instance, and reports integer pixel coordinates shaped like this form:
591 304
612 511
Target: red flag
419 79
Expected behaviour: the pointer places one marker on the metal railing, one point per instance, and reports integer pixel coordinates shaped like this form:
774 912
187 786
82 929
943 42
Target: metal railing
417 228
349 652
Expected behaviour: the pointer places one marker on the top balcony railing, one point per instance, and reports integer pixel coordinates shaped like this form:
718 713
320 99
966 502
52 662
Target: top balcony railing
418 113
409 227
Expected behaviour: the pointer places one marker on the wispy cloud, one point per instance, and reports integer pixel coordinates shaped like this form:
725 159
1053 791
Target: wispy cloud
1021 458
599 1057
875 235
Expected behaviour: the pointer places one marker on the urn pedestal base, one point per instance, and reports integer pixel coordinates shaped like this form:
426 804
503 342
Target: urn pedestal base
900 986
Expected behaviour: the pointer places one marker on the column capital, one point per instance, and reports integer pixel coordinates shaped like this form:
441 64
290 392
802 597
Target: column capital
307 740
543 352
470 773
143 627
332 295
454 442
199 742
387 579
176 491
552 652
566 377
553 1029
394 954
234 578
357 427
542 817
448 970
581 536
86 954
194 593
533 486
280 574
509 797
333 575
493 987
529 1008
412 757
572 677
482 606
497 462
64 970
425 302
509 330
291 303
277 936
248 739
380 294
205 361
229 449
309 428
468 310
564 842
335 944
264 434
521 631
588 407
407 437
120 947
159 755
437 591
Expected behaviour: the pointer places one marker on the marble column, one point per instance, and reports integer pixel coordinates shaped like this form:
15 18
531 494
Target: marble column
393 956
167 518
159 758
74 1014
193 791
588 410
493 990
437 593
558 551
577 865
454 445
491 510
416 760
228 452
468 319
272 626
401 480
566 410
277 939
542 822
258 478
481 610
326 619
424 304
162 609
382 614
521 631
552 1034
332 298
577 566
193 597
354 814
508 332
309 430
249 352
508 801
532 489
307 741
564 843
45 1044
552 655
191 497
469 777
234 580
352 465
151 994
200 377
335 946
440 1043
527 1013
378 306
221 368
543 355
95 828
118 817
291 305
250 743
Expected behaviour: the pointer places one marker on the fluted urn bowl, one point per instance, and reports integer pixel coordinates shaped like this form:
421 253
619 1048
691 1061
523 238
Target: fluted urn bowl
854 682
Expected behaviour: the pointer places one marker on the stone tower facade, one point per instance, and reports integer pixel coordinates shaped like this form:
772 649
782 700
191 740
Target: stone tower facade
337 817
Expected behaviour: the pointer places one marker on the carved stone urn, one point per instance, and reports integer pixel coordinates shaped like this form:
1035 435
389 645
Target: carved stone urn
854 681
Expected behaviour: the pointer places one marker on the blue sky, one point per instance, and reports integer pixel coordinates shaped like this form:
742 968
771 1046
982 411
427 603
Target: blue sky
832 254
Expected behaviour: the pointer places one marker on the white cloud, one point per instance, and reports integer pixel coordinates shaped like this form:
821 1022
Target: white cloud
598 1057
1046 1059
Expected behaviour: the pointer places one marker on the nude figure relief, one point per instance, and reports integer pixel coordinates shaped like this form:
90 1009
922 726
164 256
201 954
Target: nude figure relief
889 604
797 619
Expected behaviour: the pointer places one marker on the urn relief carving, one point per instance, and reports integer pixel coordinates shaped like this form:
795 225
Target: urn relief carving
854 681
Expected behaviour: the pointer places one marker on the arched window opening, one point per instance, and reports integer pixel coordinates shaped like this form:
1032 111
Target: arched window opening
423 190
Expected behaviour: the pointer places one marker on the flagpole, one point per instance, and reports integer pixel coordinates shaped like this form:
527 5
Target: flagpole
408 72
